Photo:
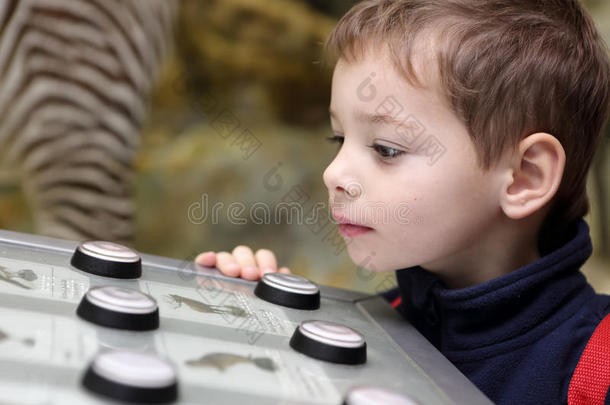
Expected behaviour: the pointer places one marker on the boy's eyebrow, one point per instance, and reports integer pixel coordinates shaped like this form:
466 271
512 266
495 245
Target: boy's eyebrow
372 118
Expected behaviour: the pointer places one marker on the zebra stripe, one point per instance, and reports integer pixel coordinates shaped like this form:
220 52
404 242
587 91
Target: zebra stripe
75 77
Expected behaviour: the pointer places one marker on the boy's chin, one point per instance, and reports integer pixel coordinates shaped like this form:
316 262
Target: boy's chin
369 260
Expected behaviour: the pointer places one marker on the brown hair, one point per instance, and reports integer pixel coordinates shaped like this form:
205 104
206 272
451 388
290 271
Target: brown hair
509 68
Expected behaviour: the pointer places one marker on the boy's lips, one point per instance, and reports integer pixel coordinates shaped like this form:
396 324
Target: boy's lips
351 231
350 228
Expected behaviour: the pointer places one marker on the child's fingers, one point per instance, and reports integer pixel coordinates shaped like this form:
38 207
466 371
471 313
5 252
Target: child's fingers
227 265
250 273
244 256
207 259
266 261
242 262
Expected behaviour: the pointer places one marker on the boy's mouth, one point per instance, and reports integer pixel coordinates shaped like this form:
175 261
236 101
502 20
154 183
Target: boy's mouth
349 228
351 231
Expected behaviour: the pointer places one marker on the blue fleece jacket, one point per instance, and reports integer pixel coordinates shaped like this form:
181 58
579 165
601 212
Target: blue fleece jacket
517 337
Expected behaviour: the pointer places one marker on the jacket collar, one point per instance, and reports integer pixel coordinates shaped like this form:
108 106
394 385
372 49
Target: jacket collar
503 308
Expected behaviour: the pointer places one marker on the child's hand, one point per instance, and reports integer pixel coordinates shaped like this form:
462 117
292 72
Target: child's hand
242 262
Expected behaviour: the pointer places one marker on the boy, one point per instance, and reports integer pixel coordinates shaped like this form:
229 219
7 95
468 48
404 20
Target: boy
513 93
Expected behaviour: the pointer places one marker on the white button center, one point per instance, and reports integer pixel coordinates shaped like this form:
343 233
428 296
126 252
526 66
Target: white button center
332 333
109 251
367 395
136 369
121 300
290 283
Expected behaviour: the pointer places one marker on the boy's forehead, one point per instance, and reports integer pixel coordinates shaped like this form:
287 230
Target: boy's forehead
387 58
365 81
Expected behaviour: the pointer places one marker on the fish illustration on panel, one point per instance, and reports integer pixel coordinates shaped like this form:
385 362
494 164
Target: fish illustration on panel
26 341
222 361
177 300
18 277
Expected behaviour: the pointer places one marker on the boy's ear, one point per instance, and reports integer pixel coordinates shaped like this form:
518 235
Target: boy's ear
536 168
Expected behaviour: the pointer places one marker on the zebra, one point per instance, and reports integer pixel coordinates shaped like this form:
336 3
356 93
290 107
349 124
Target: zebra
75 78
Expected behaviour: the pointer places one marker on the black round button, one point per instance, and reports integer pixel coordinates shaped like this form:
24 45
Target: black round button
132 376
288 290
107 259
121 308
369 395
329 341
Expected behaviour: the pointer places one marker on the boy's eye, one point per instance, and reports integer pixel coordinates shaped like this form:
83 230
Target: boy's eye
386 152
335 139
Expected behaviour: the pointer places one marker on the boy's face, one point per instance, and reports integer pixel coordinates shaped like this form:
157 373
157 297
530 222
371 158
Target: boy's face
407 171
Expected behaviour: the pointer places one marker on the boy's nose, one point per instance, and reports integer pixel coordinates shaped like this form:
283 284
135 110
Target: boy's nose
340 180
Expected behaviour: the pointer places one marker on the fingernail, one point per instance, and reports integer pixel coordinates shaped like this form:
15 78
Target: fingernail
267 270
250 269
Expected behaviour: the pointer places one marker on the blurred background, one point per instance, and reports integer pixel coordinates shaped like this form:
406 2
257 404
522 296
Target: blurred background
196 105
